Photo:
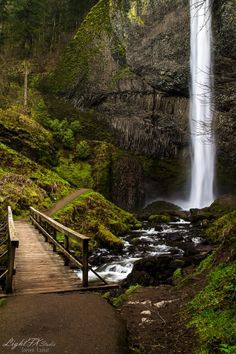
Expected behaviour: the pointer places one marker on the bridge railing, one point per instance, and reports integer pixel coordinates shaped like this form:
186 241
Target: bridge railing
8 244
49 228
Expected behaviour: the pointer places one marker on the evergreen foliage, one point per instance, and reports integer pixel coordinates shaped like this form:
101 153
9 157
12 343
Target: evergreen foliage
31 27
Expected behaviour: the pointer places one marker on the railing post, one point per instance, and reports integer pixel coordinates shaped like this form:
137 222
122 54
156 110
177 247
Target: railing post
54 235
13 243
85 262
66 246
11 260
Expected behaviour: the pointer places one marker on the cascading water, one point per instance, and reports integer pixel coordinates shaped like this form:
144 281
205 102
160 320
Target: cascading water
201 106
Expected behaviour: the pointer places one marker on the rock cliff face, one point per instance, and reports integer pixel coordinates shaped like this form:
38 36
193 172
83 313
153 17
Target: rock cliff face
130 61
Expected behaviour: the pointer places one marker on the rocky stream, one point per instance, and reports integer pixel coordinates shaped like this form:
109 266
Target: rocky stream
151 254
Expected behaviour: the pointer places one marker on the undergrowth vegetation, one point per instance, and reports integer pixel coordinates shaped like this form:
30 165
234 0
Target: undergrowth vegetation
119 300
213 310
25 183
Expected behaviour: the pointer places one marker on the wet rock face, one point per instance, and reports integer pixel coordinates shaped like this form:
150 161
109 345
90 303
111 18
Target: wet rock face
137 73
151 123
149 109
127 183
224 25
156 41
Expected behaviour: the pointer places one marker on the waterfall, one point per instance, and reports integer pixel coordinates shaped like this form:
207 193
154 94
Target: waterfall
201 106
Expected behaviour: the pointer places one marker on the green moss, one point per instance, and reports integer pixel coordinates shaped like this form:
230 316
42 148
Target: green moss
93 215
25 183
78 174
20 130
177 276
222 205
205 264
107 238
224 228
119 300
88 43
82 150
133 15
226 348
123 73
159 218
2 302
214 312
101 167
20 193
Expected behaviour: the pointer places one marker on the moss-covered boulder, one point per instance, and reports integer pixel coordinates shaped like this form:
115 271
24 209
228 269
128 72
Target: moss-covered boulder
157 219
162 211
218 208
93 215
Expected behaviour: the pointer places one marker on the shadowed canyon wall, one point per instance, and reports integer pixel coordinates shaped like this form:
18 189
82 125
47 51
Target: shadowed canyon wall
130 61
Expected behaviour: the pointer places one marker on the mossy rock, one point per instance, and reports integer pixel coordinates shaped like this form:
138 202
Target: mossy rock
108 239
219 207
162 210
225 203
159 218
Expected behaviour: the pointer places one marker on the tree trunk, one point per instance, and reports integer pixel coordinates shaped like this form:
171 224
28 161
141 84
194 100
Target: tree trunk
26 84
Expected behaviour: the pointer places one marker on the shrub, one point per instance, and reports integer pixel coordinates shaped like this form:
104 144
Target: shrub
68 138
75 126
83 150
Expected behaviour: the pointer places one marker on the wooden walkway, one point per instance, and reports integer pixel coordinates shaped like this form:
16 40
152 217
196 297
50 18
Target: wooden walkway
39 269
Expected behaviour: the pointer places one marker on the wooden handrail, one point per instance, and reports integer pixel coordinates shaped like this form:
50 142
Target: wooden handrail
50 227
12 243
59 227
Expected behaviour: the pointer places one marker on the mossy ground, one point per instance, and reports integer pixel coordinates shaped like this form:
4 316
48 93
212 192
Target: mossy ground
213 310
78 174
93 215
25 183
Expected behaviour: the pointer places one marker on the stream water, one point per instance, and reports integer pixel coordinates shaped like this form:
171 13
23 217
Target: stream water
168 238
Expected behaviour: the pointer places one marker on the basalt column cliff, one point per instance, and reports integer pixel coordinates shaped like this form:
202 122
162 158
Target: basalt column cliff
129 61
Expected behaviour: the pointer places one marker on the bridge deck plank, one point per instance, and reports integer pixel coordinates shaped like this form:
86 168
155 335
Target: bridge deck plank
38 268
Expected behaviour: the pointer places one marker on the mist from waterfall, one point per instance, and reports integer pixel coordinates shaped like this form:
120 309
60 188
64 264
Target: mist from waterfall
201 106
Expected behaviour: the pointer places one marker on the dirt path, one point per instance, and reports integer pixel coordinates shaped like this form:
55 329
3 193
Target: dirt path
71 323
156 320
64 201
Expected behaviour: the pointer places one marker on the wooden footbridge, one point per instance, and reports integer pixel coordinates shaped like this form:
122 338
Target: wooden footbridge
30 265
